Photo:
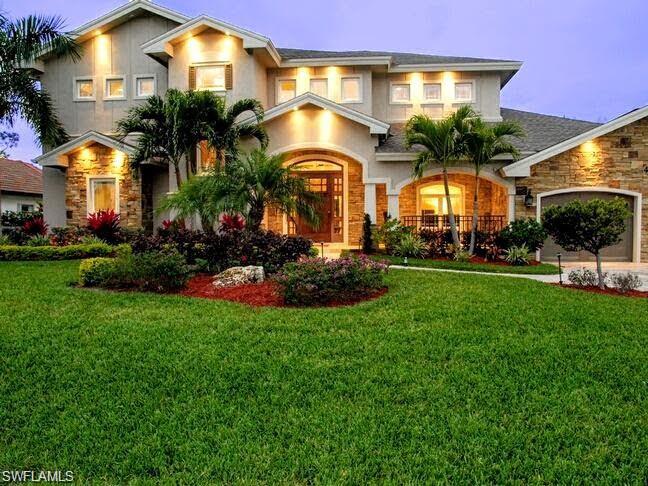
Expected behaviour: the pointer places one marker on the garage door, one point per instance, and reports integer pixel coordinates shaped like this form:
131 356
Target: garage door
621 252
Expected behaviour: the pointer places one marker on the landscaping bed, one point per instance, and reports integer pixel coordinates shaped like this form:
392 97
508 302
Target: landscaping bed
640 294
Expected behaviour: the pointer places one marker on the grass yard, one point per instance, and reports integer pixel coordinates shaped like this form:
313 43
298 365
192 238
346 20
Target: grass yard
461 378
541 269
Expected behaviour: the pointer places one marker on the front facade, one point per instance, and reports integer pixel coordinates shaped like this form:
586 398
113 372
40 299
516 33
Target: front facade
337 117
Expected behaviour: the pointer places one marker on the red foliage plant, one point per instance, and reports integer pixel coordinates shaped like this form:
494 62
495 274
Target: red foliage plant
173 224
232 222
104 224
35 226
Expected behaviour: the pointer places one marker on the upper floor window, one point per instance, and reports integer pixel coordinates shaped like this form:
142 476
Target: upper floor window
351 90
210 78
463 91
319 86
400 93
432 91
115 88
145 85
84 89
286 90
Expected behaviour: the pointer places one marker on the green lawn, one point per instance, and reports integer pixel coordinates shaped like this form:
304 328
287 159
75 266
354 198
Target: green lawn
460 378
542 269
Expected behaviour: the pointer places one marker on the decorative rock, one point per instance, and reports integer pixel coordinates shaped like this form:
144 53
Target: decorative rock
239 276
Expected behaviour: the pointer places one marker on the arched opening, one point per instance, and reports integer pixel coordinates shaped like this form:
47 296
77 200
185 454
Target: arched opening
432 199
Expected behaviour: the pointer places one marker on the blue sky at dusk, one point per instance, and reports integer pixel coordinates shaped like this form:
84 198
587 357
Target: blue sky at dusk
585 59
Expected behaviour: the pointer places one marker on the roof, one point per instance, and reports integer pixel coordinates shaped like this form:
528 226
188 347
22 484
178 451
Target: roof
396 57
541 131
58 156
522 168
375 126
21 177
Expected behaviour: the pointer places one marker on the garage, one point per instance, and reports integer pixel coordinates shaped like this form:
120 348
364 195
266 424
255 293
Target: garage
621 252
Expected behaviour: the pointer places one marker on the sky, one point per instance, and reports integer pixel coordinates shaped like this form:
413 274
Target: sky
584 59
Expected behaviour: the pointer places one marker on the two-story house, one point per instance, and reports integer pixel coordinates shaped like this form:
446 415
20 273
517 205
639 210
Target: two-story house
337 117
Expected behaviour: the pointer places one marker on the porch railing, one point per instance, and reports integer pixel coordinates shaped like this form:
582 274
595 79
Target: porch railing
464 223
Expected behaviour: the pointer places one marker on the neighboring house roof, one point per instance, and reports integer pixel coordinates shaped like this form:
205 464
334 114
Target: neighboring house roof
20 177
541 131
58 156
375 126
522 168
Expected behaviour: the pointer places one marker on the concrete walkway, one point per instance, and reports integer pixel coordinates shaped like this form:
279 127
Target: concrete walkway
641 270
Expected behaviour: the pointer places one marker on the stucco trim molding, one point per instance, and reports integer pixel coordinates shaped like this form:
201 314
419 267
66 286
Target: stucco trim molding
376 127
636 223
522 168
59 156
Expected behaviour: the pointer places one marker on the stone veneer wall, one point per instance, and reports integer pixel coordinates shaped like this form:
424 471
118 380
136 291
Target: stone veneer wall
492 198
98 160
381 203
274 219
604 162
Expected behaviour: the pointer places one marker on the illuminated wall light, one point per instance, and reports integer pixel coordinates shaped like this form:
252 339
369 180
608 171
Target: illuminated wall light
326 126
590 152
103 54
118 159
303 80
416 88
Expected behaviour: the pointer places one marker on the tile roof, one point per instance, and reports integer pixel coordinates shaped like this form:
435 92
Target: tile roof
397 57
21 177
541 131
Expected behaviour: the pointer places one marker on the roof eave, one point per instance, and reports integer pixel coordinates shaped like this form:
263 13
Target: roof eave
58 156
512 66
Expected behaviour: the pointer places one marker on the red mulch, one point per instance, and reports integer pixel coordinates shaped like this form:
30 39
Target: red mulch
637 294
264 294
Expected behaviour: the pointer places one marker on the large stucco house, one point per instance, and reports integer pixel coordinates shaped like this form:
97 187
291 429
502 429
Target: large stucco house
338 117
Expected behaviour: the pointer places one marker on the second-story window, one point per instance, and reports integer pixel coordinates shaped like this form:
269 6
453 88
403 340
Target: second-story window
400 93
84 89
463 91
286 90
351 90
432 91
319 86
115 88
144 86
210 78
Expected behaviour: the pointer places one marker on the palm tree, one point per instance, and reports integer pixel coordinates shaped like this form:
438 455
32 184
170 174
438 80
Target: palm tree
246 185
483 143
169 129
21 42
442 141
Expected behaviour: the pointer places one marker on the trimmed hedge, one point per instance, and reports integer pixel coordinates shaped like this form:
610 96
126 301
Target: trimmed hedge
71 252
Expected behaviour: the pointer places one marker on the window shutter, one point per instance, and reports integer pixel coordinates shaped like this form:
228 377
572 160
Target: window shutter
192 77
228 76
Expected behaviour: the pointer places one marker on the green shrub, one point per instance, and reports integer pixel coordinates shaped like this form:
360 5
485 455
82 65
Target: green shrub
72 252
527 232
5 240
583 277
625 282
411 245
367 235
38 240
461 255
150 271
518 255
318 281
391 233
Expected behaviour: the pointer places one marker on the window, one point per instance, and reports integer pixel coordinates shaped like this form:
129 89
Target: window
350 90
84 89
26 208
210 78
432 92
115 89
145 86
286 90
102 194
464 91
400 93
433 200
319 86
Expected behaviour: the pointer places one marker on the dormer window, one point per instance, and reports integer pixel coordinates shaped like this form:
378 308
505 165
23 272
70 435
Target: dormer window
463 91
286 90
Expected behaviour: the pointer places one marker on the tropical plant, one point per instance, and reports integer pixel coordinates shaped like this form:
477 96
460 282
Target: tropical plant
443 143
104 225
169 129
38 240
483 142
247 185
232 222
588 225
391 232
518 255
411 245
21 95
35 226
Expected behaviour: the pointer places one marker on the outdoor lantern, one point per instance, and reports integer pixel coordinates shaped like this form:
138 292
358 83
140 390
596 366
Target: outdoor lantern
528 199
559 255
405 262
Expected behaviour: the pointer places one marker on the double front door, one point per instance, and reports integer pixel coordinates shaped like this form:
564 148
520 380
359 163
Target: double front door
328 185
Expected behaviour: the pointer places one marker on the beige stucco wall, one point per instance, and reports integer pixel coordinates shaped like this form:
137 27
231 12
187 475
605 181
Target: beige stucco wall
116 52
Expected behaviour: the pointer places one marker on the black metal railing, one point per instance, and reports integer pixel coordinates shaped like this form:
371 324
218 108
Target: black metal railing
464 223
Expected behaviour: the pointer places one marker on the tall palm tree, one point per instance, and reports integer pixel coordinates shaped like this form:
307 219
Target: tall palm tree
21 42
246 185
169 129
442 141
482 144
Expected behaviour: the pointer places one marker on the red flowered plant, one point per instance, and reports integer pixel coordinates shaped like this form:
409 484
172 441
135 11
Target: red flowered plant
35 226
104 225
232 222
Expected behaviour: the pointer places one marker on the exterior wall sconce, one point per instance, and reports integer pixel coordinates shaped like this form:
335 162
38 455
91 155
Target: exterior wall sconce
528 199
645 169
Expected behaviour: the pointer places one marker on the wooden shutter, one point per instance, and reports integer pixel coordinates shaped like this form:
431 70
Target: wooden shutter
228 76
192 77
